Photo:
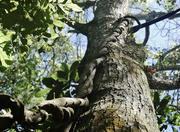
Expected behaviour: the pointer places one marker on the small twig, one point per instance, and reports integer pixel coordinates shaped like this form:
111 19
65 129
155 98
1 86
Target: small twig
169 51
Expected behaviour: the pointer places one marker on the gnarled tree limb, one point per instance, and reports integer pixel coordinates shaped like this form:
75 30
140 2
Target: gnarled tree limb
163 84
61 111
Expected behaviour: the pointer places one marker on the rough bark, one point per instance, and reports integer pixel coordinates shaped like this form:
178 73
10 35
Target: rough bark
113 78
163 84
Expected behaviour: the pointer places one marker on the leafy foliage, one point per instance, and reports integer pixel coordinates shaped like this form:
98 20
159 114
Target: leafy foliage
22 77
167 4
166 114
62 82
26 19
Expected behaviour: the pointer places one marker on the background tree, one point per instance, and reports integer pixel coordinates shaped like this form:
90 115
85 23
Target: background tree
111 73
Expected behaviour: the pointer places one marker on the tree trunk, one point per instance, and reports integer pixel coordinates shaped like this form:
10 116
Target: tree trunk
113 78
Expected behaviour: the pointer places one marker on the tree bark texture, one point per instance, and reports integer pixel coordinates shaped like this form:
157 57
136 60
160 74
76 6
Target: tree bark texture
112 77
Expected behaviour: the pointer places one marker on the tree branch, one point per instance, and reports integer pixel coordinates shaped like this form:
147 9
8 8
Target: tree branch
170 14
79 27
175 106
153 15
17 108
61 111
169 51
165 68
6 121
163 84
147 32
66 102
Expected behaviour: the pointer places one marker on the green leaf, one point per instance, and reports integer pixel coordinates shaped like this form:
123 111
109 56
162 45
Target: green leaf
62 74
3 57
23 48
24 41
5 37
7 47
62 9
49 82
58 23
13 37
163 127
54 76
156 100
65 67
42 92
174 129
45 39
53 34
63 80
163 108
9 62
172 109
165 101
73 6
74 71
175 118
48 35
41 50
60 1
163 119
76 79
74 66
2 68
52 7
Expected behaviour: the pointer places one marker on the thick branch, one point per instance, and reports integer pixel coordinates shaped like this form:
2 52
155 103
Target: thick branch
147 32
60 110
17 108
79 27
165 68
163 84
66 102
153 15
6 121
136 28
